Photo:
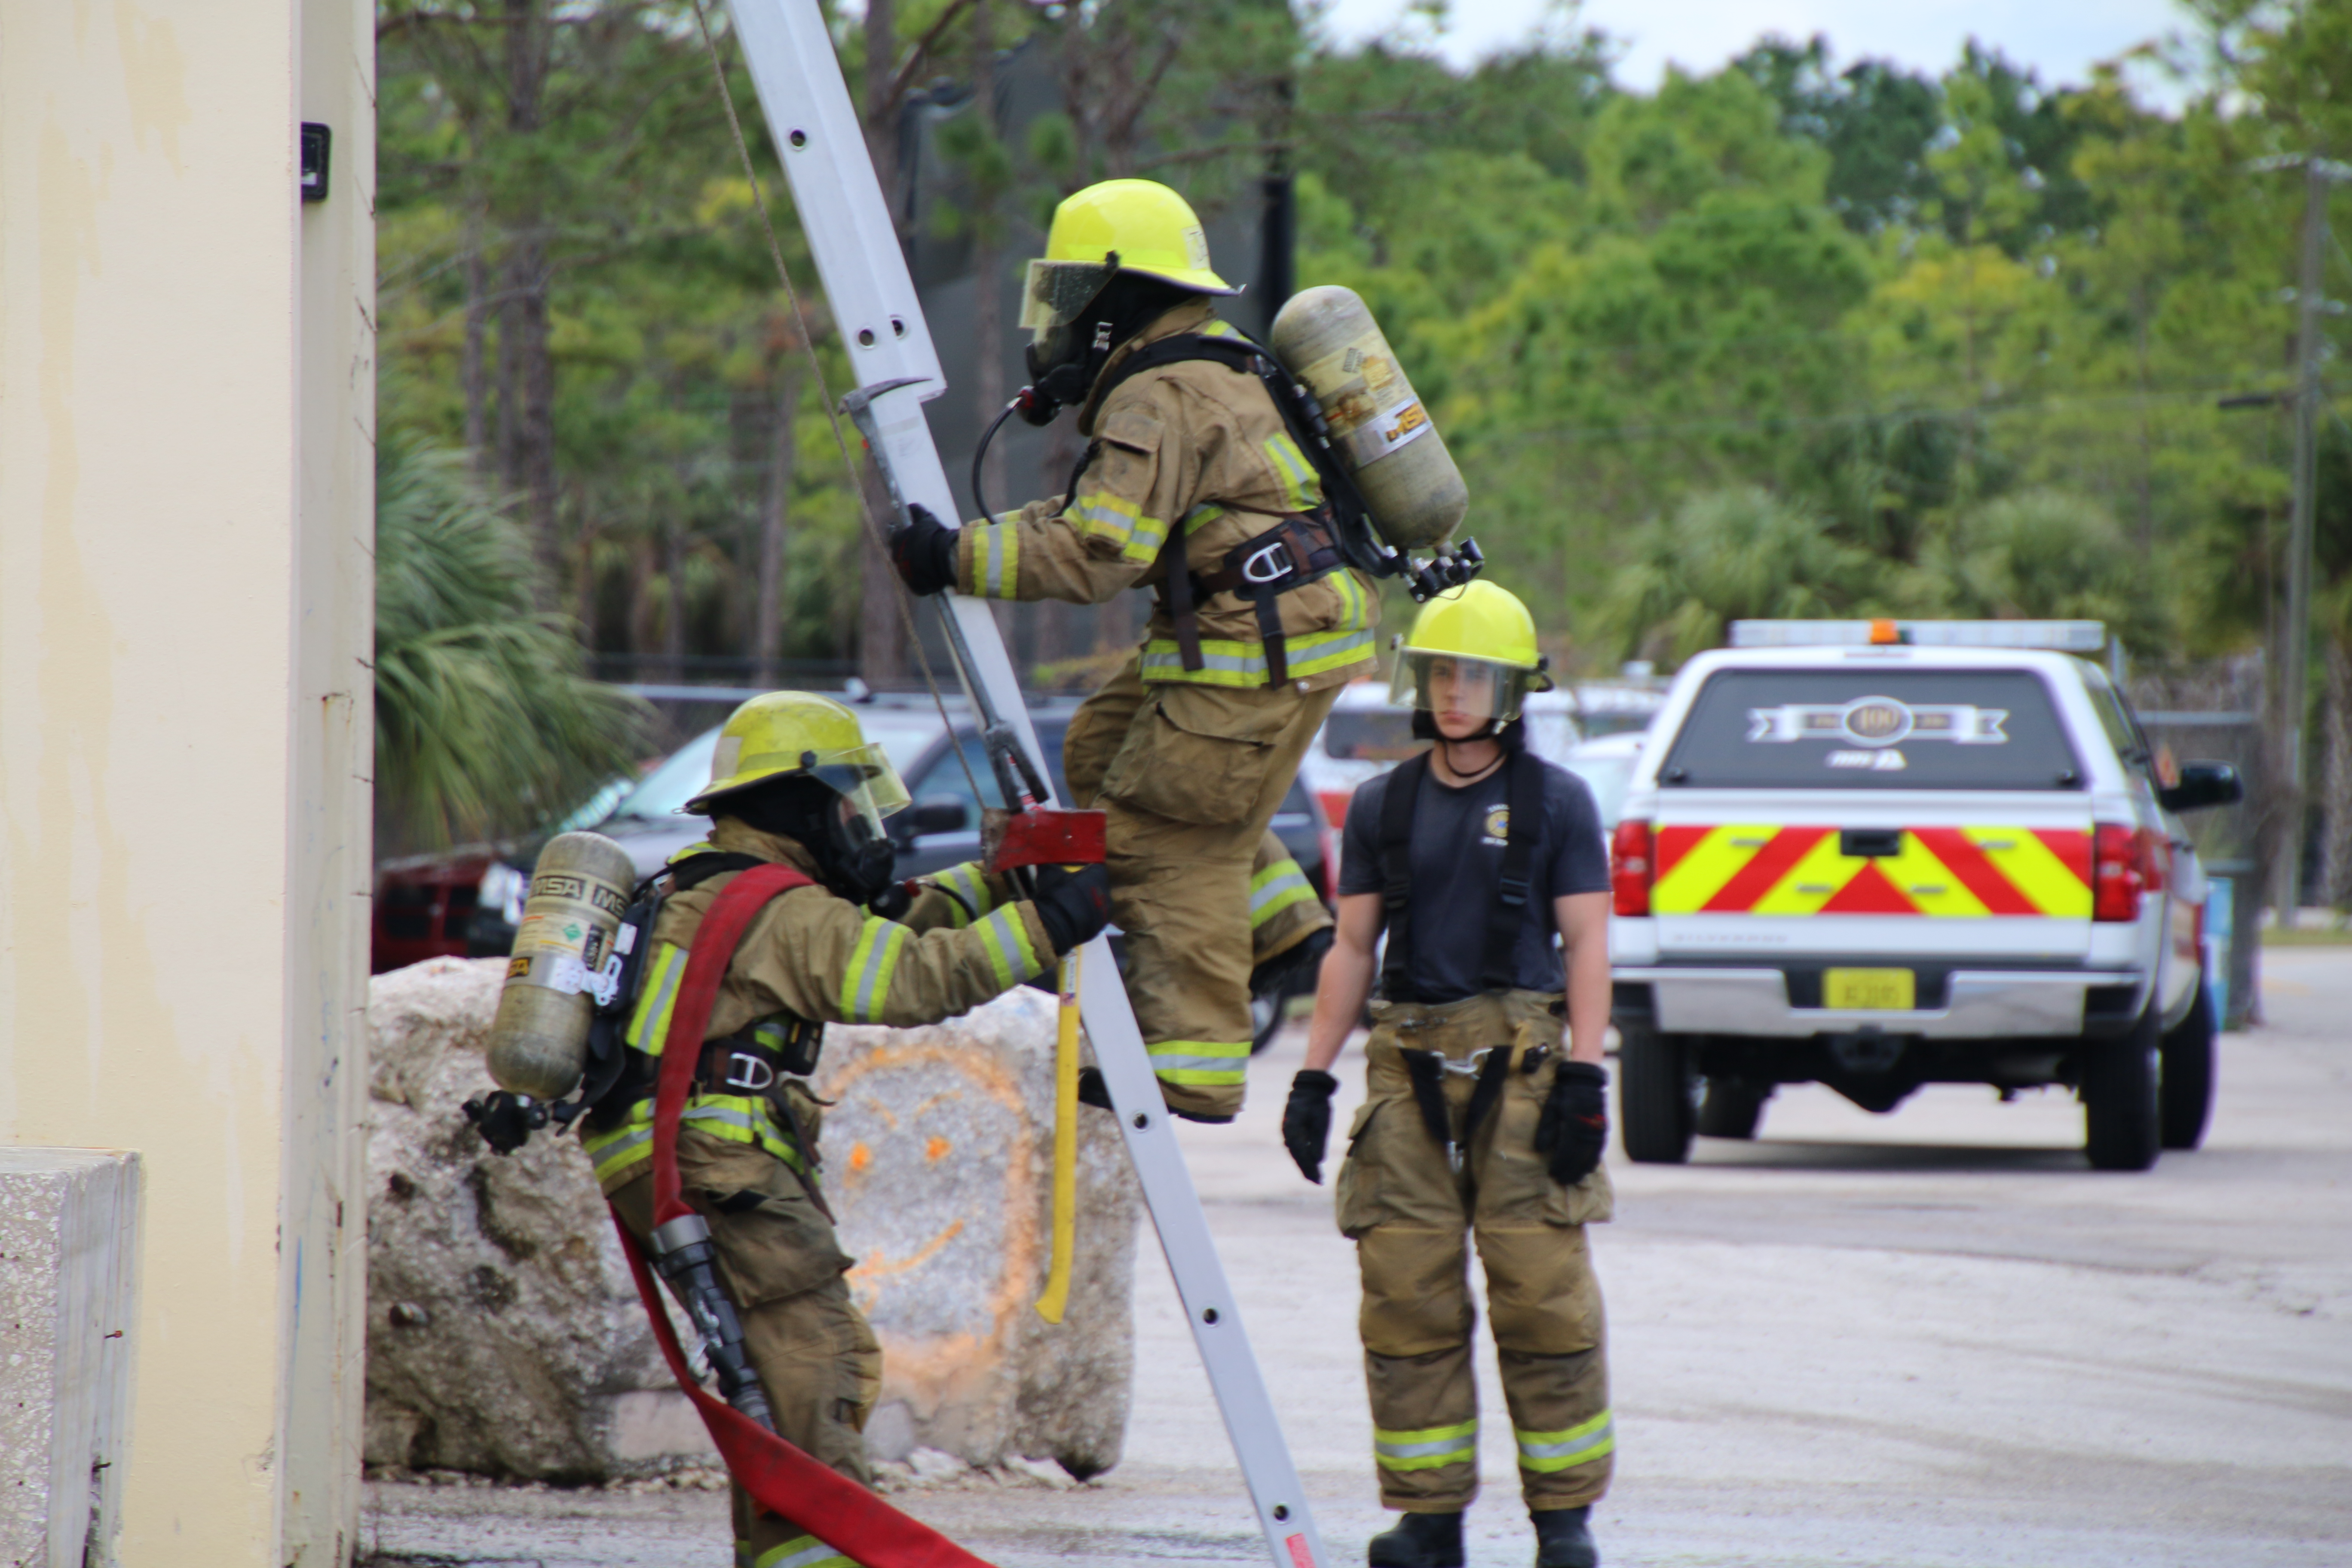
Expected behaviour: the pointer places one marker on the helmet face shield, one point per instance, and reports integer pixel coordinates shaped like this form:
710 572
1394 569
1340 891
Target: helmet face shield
1054 292
1452 683
861 776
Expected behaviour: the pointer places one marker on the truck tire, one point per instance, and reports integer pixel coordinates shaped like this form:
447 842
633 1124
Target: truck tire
1731 1108
2120 1117
1657 1085
2185 1092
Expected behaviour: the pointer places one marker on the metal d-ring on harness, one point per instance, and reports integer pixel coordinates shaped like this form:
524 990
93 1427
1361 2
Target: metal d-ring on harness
1524 788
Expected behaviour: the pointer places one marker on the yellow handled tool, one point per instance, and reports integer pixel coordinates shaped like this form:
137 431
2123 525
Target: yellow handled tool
1056 1298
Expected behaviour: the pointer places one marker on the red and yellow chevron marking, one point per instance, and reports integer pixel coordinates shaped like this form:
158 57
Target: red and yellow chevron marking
1765 869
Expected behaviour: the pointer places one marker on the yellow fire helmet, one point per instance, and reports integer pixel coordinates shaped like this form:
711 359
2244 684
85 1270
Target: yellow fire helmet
785 733
1472 651
1118 226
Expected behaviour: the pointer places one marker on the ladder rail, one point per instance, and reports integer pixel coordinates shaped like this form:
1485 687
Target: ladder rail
855 246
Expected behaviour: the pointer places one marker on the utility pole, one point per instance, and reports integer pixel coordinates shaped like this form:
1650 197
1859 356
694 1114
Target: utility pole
2294 660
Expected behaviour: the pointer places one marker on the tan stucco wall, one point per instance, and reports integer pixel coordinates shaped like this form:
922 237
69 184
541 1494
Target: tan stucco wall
185 397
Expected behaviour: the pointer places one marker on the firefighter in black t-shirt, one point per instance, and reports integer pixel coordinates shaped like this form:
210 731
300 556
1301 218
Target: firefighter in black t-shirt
1476 1124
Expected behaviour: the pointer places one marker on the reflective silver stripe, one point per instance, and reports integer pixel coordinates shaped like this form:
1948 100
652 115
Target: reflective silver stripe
1276 889
652 1017
968 888
802 1552
866 983
608 1151
1200 1061
1006 937
1578 1444
1447 1446
1429 1448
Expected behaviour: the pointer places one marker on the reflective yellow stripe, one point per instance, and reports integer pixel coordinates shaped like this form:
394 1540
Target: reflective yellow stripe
1100 514
1004 936
1276 888
1547 1452
1229 663
996 561
623 1146
740 1119
1426 1449
657 998
1210 1062
800 1551
1714 860
865 982
967 890
1300 493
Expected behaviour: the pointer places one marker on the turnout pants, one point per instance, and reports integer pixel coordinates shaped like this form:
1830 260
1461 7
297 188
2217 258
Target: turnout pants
815 1355
1411 1213
1188 776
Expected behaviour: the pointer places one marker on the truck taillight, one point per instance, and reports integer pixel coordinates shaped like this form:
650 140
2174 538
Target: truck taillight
1629 868
2126 862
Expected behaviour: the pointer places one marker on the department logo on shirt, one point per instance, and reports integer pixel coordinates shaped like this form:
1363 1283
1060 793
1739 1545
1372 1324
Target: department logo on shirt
1498 824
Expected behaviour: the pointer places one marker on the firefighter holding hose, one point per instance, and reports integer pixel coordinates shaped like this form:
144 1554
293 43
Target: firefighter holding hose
1192 486
1477 1124
793 782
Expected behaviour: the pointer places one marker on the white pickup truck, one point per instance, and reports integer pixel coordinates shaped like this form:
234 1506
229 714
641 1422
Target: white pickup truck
1874 855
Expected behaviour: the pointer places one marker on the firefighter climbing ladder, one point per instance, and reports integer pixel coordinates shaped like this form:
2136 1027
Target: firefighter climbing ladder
856 247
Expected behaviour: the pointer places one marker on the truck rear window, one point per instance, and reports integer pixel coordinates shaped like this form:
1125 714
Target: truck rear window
1872 728
1370 734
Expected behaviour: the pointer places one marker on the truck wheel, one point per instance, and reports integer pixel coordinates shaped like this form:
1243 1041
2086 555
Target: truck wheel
1658 1094
1731 1108
2119 1098
2186 1093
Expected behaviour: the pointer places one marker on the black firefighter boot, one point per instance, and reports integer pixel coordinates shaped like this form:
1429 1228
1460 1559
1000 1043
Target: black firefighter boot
1419 1540
1562 1540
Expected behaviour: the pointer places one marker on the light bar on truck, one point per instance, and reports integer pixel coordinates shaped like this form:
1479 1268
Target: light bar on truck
2067 636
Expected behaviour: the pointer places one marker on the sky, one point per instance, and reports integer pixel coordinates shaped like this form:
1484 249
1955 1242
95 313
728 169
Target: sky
2060 38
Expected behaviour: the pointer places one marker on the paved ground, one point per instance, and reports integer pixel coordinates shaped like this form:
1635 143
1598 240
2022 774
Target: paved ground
1929 1339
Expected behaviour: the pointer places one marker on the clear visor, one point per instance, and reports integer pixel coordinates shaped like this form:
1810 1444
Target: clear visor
862 775
1055 291
1448 683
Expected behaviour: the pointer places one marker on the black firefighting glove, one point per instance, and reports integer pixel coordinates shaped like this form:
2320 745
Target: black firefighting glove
1574 1126
1307 1122
1074 901
505 1120
923 549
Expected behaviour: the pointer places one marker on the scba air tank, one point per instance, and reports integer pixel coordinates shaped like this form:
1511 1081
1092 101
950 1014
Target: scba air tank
563 957
1328 339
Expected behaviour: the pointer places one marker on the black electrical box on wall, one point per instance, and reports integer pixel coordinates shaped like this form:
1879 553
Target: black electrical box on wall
315 140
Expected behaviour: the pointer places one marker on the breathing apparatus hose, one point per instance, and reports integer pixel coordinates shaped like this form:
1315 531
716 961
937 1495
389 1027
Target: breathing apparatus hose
980 452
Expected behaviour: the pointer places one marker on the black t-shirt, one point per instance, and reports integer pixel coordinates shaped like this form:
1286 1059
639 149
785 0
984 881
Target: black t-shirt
1456 857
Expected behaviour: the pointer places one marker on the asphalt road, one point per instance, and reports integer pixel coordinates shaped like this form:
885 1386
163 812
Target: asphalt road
1933 1338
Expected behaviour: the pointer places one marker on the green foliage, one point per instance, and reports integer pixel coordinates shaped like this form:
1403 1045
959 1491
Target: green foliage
1802 336
484 724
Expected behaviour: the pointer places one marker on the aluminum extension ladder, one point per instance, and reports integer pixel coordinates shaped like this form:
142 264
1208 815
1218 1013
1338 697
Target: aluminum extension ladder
847 226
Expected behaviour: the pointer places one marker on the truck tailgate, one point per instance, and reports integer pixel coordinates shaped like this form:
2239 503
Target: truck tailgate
1932 875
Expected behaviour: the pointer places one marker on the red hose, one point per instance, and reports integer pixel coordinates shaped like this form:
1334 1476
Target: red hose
779 1477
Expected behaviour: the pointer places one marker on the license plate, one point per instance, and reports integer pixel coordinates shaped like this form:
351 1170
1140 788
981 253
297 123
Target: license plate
1870 990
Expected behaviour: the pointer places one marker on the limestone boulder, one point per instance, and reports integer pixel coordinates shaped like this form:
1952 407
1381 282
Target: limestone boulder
505 1336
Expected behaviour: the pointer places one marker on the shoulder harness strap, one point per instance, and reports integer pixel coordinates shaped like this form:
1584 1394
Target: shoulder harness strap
1401 795
1507 917
1300 548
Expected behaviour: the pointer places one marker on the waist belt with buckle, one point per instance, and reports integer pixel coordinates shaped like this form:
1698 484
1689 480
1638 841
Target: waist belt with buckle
1302 548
